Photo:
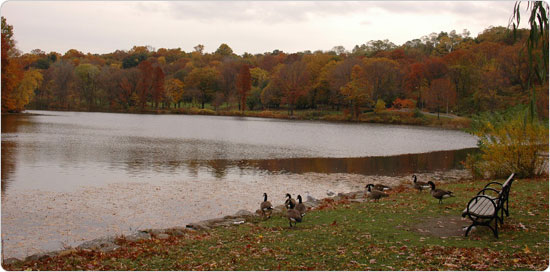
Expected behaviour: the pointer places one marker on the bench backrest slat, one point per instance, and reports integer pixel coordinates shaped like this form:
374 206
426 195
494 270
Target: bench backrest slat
509 180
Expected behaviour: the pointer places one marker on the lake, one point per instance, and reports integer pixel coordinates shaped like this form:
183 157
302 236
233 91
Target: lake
71 176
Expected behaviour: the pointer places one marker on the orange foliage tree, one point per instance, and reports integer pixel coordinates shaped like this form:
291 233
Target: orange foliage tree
12 72
293 81
440 94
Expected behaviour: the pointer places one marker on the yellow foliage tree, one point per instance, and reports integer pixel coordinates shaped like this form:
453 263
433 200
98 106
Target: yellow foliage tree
25 91
174 89
357 90
380 106
509 145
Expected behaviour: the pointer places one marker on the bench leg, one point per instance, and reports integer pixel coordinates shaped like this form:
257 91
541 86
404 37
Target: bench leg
495 231
506 210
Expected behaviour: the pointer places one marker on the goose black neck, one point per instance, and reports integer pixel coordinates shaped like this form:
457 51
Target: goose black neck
300 198
265 197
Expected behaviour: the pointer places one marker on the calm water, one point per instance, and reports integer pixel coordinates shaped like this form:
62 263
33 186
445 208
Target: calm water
60 151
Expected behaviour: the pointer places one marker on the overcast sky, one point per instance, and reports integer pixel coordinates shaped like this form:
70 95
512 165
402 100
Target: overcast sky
254 27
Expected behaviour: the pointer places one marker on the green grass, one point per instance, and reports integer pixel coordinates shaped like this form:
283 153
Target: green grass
346 236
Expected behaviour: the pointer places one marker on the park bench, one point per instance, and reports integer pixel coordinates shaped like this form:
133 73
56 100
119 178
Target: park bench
484 208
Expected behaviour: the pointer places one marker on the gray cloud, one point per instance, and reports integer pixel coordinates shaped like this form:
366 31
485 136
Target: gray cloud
253 26
285 11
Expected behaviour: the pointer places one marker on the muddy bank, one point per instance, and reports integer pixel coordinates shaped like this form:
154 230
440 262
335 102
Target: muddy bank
38 222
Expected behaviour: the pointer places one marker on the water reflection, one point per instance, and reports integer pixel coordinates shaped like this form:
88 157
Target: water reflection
385 165
10 124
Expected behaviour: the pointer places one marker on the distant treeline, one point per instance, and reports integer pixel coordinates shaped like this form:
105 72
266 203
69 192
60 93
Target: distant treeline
441 72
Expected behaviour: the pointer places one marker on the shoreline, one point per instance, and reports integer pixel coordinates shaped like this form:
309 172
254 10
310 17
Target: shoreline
388 117
108 242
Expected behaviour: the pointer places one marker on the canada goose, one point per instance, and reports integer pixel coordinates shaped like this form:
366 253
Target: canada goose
374 194
419 185
439 193
289 200
266 207
293 215
301 207
381 187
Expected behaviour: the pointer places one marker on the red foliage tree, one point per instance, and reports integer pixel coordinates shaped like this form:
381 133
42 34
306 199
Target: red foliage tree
244 83
145 84
158 86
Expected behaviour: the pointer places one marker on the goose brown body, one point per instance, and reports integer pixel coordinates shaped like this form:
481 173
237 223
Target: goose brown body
419 185
293 215
439 193
381 187
266 207
300 207
374 194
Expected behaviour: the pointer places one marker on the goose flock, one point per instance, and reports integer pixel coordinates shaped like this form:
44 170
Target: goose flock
296 211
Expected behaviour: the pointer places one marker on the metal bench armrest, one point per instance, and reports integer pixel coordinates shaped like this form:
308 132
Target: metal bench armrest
482 192
491 183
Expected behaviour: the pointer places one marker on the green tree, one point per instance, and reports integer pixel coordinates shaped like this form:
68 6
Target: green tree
224 50
538 38
87 75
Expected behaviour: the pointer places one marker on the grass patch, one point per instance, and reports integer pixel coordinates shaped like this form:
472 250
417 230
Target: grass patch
343 235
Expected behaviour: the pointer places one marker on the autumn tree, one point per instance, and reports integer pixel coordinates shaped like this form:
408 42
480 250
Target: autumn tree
25 91
384 76
158 91
12 72
243 85
145 84
441 94
293 81
205 80
337 75
319 89
228 70
174 90
413 82
358 91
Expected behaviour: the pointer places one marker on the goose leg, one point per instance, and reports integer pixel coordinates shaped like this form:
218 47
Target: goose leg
468 230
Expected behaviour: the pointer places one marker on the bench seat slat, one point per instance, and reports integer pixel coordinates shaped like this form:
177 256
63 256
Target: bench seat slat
481 208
